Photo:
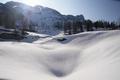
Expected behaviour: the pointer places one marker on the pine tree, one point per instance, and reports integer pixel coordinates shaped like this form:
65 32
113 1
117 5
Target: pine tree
89 25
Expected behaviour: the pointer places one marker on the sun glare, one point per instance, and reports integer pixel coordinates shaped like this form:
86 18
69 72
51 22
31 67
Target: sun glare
32 2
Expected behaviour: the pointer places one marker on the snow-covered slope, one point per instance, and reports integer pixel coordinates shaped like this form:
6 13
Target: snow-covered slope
46 19
84 56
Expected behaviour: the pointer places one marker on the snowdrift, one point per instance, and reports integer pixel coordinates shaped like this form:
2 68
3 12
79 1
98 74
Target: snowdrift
84 56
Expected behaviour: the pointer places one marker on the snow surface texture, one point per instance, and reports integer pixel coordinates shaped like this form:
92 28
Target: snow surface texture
84 56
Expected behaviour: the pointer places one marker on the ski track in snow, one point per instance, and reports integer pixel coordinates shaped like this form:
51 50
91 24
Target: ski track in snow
84 56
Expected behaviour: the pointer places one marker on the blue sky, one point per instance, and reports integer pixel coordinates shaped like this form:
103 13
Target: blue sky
91 9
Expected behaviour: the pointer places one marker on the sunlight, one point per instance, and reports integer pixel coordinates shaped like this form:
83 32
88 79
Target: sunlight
32 2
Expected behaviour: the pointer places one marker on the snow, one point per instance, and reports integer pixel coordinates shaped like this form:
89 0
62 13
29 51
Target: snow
84 56
44 18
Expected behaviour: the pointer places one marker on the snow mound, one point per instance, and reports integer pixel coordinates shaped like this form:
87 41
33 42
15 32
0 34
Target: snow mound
84 56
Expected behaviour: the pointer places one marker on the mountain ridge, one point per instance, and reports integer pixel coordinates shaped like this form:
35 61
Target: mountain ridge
41 19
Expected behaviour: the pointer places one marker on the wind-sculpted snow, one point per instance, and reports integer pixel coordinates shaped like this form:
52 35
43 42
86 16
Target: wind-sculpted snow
60 63
84 56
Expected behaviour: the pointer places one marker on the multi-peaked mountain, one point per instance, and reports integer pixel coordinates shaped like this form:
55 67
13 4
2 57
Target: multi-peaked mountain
39 18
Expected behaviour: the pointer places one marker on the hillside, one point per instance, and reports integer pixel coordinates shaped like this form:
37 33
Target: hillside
38 18
84 56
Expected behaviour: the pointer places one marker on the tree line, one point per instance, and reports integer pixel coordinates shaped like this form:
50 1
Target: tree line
73 27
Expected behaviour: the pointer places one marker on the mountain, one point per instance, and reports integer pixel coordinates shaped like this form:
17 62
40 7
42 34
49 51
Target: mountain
38 18
75 18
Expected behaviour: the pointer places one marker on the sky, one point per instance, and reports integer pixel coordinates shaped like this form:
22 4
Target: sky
91 9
